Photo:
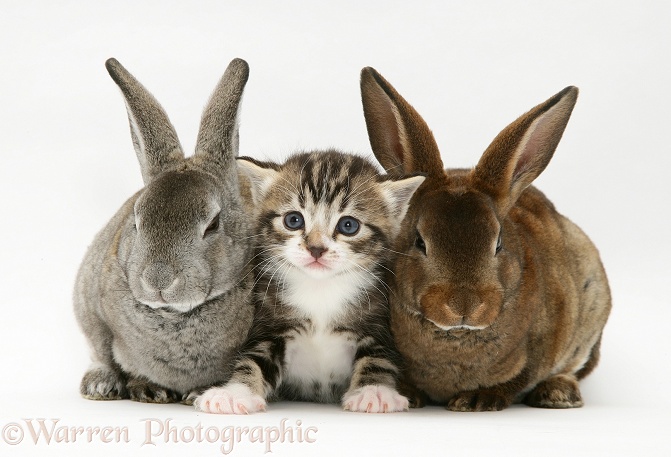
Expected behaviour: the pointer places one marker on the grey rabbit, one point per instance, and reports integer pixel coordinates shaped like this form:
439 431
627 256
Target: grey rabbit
163 294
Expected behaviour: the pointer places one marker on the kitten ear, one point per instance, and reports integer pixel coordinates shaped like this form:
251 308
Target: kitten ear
398 193
260 175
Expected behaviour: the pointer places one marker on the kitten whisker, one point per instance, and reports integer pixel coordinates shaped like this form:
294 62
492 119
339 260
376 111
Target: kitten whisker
284 261
384 267
396 252
282 280
363 289
372 281
265 267
247 237
260 253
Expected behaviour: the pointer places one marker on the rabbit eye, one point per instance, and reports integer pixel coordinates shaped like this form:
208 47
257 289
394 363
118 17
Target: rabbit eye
498 244
348 226
294 220
419 243
213 225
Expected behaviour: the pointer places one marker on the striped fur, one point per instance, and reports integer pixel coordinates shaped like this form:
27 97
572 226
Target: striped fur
321 332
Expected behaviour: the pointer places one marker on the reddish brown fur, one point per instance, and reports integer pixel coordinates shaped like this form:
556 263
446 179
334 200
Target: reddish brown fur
541 302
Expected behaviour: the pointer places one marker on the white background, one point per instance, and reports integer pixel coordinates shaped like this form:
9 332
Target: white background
468 67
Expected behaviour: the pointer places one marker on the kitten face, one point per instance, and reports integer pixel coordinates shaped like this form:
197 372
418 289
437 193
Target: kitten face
326 214
329 216
324 239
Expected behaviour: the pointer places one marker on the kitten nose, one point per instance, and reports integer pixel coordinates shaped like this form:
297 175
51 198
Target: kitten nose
317 251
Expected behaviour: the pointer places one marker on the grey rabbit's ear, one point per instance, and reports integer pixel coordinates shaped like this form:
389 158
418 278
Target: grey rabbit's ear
523 149
218 135
154 138
401 141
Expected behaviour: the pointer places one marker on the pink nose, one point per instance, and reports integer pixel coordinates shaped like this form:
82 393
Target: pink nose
317 251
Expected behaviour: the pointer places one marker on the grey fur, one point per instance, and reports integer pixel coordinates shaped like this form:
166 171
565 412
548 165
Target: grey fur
163 294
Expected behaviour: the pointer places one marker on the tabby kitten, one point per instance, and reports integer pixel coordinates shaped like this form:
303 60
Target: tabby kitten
326 221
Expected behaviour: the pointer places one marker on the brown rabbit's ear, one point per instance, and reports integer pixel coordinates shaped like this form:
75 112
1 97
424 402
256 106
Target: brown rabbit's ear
401 140
523 149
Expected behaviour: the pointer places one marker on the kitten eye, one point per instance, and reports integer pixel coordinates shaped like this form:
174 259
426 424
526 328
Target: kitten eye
294 220
213 225
348 226
498 244
419 243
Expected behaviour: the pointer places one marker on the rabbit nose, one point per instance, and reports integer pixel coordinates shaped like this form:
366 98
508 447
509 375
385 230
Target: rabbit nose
317 251
159 276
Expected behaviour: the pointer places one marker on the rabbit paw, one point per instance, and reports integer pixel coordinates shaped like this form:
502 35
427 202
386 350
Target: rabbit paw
145 391
190 397
479 400
103 383
559 391
416 398
374 399
233 398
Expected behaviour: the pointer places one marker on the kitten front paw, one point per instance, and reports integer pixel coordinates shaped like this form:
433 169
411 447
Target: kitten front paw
233 398
102 383
374 399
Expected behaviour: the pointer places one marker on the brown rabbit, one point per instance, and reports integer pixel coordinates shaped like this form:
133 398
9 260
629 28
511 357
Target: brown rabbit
497 297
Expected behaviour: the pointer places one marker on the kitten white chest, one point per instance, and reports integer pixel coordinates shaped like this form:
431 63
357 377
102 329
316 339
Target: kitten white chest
317 360
321 300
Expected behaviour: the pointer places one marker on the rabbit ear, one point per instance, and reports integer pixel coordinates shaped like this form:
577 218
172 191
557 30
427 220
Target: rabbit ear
401 140
261 176
218 135
154 138
523 149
